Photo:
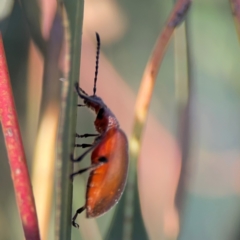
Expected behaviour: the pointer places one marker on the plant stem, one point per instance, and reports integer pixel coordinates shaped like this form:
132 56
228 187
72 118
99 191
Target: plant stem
16 155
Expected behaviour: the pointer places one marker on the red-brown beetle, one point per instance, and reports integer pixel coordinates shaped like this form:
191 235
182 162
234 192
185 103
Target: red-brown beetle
109 159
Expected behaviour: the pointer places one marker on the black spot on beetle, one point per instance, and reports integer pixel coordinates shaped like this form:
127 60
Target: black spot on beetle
100 113
102 159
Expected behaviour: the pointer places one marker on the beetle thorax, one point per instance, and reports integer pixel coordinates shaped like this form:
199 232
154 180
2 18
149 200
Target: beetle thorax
107 122
112 122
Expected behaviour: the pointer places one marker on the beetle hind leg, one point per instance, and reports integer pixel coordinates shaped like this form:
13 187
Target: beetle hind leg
102 160
80 210
79 172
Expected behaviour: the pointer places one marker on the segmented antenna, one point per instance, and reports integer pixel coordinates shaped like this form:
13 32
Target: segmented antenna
97 61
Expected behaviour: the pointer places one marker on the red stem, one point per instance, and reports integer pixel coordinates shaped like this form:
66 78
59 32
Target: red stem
16 155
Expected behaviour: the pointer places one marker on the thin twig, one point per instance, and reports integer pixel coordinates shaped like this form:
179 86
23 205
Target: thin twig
16 155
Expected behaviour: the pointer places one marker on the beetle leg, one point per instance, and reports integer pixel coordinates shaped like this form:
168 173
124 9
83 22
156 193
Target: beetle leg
84 145
92 167
84 154
79 172
87 135
75 216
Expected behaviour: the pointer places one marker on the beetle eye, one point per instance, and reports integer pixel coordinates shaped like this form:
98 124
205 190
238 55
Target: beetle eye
100 113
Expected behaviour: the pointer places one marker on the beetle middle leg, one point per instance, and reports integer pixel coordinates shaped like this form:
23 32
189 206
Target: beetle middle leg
81 156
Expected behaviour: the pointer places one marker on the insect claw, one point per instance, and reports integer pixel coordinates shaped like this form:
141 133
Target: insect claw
75 224
71 177
72 158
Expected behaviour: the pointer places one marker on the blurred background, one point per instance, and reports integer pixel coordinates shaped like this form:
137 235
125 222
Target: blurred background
128 30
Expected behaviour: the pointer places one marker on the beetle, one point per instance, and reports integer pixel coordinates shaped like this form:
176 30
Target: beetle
109 158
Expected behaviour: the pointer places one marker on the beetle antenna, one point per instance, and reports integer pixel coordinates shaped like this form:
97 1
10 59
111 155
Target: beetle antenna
97 61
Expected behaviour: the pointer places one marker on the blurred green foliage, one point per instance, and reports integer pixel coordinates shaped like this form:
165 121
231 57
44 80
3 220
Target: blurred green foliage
211 209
